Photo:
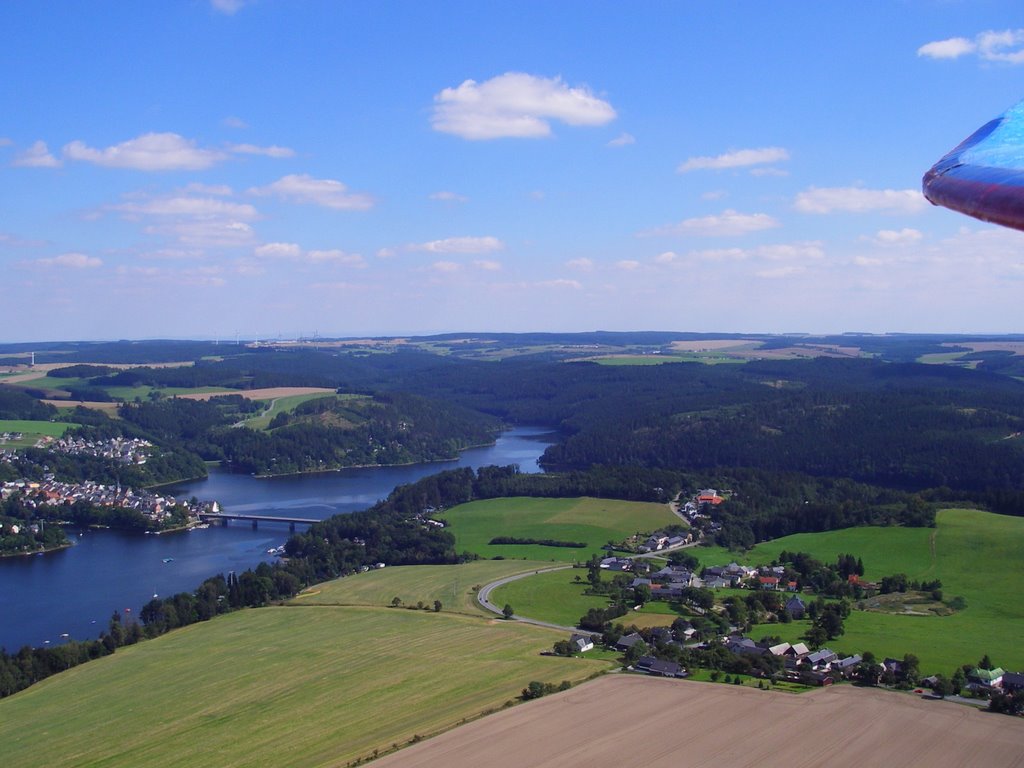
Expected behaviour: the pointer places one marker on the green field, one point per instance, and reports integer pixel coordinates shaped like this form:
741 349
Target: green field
554 597
142 392
594 521
286 686
32 430
285 404
454 585
705 358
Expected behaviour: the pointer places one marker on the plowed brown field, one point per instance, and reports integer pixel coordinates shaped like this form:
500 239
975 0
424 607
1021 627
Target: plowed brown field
621 721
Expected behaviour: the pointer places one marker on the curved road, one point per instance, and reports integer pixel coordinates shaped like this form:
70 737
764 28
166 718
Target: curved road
484 595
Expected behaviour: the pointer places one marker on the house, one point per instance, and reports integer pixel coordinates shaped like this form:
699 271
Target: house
799 650
795 607
581 643
1013 681
986 678
780 649
717 583
812 677
665 669
846 667
768 582
743 646
626 642
617 564
821 659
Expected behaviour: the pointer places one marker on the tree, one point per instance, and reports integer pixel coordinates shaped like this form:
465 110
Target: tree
437 606
396 601
943 687
642 594
507 611
985 663
958 681
563 648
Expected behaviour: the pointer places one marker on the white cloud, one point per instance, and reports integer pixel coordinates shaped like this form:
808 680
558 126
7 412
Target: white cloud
561 283
859 200
192 220
221 190
448 197
71 261
780 272
487 265
1004 45
952 48
726 224
460 245
583 264
515 105
252 149
623 140
295 252
905 236
336 256
768 172
329 193
666 258
149 152
867 261
628 265
446 267
278 251
228 7
36 156
740 158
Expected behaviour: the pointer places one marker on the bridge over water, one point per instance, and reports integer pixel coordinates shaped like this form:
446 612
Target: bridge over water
226 517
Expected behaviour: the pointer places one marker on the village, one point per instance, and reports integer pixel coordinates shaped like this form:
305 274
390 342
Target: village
155 507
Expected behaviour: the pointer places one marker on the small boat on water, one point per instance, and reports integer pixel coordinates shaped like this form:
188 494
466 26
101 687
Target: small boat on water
168 559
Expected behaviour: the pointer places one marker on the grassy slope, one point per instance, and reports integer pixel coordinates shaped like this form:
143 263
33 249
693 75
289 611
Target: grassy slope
594 521
453 585
286 686
554 597
33 430
285 404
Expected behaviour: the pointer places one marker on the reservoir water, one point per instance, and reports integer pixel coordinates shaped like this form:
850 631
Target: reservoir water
73 592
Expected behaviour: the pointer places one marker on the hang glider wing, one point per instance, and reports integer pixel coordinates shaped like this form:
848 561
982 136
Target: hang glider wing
984 176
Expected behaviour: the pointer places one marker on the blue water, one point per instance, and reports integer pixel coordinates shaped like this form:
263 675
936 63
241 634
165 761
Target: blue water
75 591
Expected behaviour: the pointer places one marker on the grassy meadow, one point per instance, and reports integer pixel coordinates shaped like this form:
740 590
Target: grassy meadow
33 430
288 686
554 597
285 404
594 521
454 585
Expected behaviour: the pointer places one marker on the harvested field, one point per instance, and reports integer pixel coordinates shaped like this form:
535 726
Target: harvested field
262 394
625 720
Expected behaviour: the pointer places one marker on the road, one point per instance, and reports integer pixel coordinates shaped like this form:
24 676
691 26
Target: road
484 595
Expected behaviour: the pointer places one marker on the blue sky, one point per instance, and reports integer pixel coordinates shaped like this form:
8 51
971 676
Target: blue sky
282 167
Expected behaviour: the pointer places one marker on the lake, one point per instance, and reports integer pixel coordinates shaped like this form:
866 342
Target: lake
73 592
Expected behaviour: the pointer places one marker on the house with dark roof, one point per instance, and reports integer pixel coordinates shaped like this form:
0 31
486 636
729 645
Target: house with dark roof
1013 681
626 642
796 607
581 643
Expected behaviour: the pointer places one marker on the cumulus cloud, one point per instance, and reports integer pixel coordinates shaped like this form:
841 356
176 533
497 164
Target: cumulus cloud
149 152
560 283
622 140
295 252
446 267
740 158
515 105
36 156
329 193
252 149
992 45
195 221
905 236
666 257
628 265
583 264
460 245
445 196
859 200
71 261
776 273
726 224
487 265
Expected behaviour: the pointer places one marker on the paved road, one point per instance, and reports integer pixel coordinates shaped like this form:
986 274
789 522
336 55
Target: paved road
483 597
